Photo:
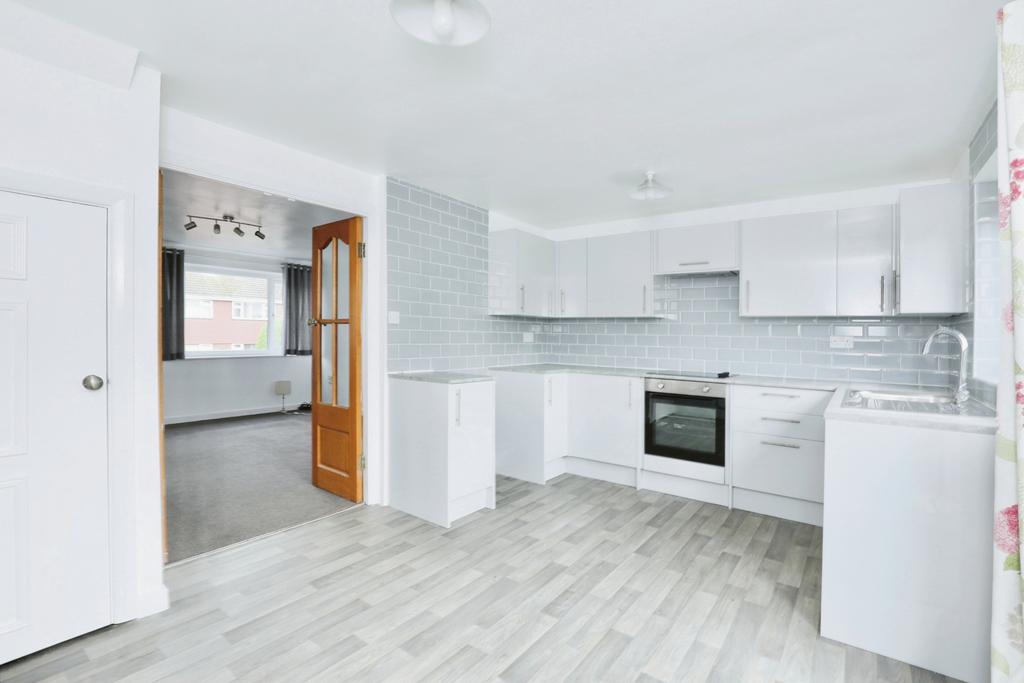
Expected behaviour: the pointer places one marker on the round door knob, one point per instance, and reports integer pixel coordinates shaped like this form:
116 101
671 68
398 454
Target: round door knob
705 389
92 382
310 322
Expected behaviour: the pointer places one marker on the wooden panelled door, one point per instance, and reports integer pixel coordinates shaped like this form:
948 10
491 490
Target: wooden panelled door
337 356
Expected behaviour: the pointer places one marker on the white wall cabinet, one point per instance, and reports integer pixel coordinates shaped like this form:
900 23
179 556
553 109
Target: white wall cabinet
788 265
605 419
442 448
934 250
619 278
571 294
521 274
532 424
697 249
865 273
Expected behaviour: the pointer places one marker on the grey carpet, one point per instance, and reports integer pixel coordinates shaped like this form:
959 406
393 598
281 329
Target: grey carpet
231 480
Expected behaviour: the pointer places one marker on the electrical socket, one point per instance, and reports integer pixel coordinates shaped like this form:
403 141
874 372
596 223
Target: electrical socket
840 342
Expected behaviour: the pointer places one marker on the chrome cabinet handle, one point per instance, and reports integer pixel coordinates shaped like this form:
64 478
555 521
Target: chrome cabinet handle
779 419
92 382
522 298
563 301
897 290
695 263
644 309
458 407
768 393
551 390
629 395
780 445
881 294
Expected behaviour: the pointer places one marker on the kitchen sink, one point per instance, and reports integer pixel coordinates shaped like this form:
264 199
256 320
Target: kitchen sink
869 395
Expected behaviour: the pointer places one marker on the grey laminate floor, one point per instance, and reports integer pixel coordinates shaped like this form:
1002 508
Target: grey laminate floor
231 480
578 580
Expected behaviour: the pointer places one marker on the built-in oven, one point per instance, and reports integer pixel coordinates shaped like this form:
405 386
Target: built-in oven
686 420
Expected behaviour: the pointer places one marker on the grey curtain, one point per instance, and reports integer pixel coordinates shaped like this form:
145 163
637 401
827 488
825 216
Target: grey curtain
174 304
297 294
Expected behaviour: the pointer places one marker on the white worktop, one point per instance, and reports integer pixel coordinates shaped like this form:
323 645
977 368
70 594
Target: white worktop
976 417
442 377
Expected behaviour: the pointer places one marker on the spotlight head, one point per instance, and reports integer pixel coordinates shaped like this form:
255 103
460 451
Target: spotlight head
239 231
191 224
216 228
259 233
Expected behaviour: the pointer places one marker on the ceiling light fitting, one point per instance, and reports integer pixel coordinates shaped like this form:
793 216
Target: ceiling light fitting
454 23
226 218
650 189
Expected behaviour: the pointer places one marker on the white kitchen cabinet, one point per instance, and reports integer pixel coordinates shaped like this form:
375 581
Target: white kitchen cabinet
571 294
865 273
606 418
532 424
619 278
934 250
788 265
521 274
697 249
441 448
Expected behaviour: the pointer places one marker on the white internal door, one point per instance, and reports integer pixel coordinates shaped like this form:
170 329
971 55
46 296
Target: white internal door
54 545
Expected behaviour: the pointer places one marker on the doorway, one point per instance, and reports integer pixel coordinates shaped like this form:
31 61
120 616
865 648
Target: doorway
238 351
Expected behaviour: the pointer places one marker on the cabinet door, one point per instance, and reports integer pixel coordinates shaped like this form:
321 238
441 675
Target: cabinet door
502 285
572 279
619 281
604 420
698 249
471 430
864 281
535 272
556 417
788 265
934 248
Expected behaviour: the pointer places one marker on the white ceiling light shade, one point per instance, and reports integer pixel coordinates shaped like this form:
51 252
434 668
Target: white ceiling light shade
442 22
650 189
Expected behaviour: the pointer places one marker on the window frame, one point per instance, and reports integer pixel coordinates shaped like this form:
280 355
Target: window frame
275 281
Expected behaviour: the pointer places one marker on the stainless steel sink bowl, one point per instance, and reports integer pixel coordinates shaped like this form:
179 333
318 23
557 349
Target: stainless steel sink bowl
870 395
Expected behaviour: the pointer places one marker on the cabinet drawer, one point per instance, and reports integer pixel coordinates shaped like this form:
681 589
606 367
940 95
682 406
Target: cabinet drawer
794 425
779 465
784 400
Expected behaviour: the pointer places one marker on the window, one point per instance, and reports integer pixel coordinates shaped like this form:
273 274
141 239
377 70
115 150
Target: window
233 312
198 308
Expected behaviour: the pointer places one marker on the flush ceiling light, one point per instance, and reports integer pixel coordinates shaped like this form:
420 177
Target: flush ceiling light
442 22
191 223
650 189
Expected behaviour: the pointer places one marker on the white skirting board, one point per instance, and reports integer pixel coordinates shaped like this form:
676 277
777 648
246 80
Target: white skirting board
616 474
694 489
220 415
778 506
553 468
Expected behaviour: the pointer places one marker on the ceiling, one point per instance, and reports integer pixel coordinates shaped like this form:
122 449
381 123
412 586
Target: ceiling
286 223
553 117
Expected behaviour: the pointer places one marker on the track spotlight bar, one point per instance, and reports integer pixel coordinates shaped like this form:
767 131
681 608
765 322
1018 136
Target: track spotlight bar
226 218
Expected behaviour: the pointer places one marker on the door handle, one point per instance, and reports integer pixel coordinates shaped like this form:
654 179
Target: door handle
780 445
695 263
779 419
768 393
311 322
92 382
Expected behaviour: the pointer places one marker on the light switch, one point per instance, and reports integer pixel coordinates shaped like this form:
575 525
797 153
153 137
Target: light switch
840 342
394 317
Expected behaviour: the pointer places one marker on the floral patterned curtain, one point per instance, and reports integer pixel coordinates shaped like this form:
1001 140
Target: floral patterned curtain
1007 629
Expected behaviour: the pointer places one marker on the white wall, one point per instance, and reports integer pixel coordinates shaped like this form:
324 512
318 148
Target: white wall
95 139
209 388
194 145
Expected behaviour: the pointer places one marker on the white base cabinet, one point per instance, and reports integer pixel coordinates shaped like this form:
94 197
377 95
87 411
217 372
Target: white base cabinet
907 552
442 440
605 419
532 425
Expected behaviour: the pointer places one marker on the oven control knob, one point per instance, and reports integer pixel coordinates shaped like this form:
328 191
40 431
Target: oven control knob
705 389
661 385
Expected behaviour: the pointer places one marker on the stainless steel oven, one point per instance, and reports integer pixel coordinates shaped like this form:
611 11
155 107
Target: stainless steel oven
686 420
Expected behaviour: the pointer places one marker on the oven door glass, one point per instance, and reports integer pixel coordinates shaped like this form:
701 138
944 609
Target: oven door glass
686 428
